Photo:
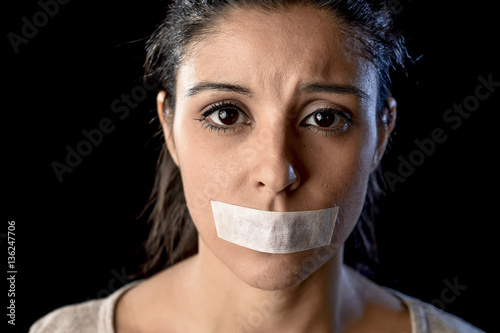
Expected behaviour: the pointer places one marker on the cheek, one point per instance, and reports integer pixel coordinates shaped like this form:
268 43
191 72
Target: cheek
341 172
209 171
354 187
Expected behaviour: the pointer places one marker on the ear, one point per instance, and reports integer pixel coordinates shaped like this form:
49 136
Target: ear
166 119
385 127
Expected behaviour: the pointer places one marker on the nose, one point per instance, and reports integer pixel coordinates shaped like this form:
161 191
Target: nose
273 169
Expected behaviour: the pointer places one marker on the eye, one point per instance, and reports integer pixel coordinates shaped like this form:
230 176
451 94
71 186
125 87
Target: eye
228 116
326 118
224 116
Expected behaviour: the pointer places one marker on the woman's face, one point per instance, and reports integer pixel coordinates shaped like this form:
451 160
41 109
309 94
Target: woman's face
274 112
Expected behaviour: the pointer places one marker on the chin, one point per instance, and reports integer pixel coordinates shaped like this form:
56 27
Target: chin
268 271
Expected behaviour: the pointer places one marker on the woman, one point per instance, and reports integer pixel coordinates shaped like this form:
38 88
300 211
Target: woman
274 113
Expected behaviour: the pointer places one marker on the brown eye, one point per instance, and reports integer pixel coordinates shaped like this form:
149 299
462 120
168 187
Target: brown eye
228 116
326 118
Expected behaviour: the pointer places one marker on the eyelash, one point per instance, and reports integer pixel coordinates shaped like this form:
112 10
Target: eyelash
349 123
211 127
217 107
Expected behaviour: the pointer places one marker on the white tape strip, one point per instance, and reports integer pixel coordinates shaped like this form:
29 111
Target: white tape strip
274 232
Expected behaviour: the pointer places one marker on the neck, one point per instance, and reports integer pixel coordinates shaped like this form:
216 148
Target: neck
313 305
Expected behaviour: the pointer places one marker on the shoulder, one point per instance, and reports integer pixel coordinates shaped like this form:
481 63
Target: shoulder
94 316
80 317
160 303
426 318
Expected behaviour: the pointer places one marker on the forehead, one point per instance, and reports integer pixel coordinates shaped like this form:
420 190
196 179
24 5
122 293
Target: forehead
285 47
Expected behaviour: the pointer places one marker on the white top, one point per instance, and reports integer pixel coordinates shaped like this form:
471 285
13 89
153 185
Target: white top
96 316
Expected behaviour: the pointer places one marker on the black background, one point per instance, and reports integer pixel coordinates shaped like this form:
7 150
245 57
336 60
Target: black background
74 237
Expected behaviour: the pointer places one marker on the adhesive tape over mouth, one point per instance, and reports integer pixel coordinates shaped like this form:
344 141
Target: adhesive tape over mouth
274 232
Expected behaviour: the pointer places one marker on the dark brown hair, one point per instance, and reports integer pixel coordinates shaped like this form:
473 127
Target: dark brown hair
367 25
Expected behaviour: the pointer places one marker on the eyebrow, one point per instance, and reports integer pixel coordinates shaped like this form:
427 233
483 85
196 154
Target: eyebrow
331 88
334 88
204 86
